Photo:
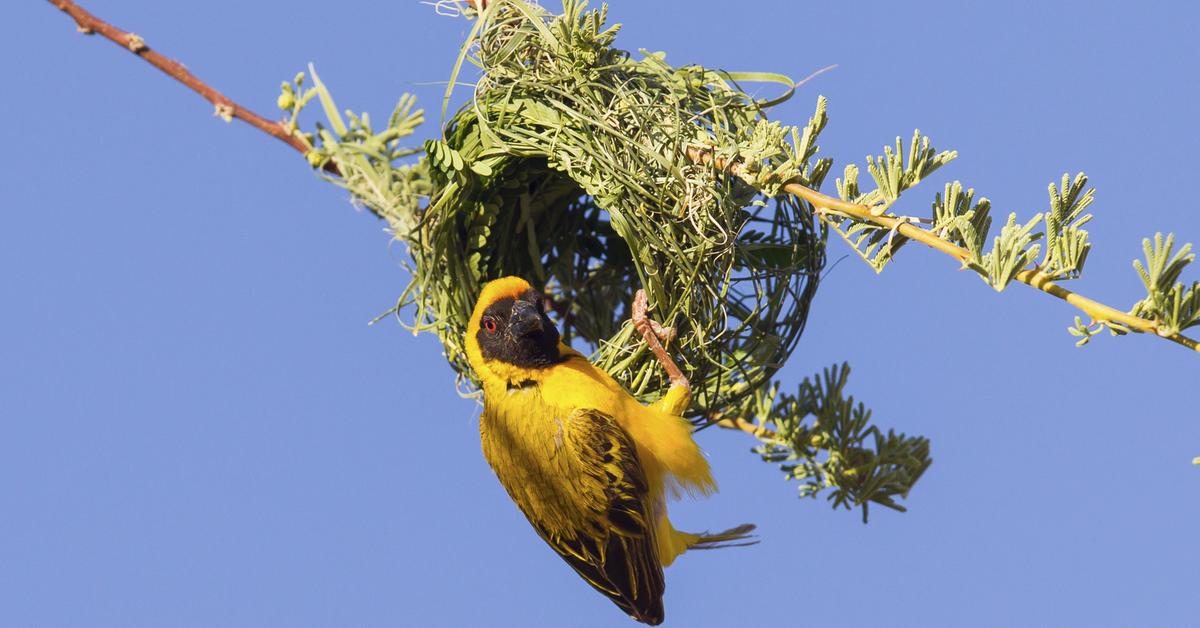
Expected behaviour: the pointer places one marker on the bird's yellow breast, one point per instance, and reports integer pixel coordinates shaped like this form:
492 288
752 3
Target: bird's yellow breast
525 441
525 437
525 434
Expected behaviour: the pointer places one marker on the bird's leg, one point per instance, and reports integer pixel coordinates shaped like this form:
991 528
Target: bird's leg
680 394
653 332
665 334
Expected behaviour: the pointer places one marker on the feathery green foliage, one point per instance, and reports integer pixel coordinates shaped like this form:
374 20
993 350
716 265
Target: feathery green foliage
892 176
1171 303
824 440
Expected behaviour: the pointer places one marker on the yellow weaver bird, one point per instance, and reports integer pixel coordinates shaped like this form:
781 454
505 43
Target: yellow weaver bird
588 465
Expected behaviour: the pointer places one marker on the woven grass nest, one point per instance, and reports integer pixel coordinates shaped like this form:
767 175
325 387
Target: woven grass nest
574 166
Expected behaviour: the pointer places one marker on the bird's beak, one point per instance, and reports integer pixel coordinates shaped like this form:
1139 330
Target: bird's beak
525 319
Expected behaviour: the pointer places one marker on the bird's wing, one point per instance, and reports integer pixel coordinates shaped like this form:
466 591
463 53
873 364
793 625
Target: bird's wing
613 548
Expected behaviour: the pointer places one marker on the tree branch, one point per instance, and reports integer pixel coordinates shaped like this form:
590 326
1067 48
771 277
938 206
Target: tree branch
1030 277
745 426
226 108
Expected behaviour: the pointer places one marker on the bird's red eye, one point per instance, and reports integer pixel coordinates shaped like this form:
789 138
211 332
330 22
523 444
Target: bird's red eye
489 325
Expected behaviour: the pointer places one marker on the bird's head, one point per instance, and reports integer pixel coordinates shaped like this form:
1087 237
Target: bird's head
509 335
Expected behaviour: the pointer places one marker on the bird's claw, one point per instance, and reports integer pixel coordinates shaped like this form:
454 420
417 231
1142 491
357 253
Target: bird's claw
646 325
653 332
665 334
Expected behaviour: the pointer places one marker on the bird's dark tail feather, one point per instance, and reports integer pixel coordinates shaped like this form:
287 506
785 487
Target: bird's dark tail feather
733 537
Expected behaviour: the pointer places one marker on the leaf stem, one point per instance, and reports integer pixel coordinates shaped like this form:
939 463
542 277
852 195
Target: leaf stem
739 423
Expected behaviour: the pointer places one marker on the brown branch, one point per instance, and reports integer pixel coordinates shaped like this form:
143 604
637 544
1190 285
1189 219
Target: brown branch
1030 277
226 108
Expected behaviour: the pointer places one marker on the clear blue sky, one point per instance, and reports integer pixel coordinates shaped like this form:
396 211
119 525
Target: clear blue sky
198 428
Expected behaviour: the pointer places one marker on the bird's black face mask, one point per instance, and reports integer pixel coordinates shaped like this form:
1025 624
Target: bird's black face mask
518 332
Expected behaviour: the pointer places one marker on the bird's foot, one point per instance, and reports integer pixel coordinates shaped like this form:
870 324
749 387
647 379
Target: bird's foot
652 332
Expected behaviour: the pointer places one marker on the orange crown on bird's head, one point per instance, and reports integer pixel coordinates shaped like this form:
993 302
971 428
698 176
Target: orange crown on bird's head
497 289
494 290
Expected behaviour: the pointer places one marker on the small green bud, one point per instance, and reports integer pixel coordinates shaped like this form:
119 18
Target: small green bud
299 80
315 158
286 100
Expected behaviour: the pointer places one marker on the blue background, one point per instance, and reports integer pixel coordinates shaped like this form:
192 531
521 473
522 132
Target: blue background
198 428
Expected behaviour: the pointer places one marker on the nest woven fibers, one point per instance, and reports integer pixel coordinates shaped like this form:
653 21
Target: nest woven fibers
574 166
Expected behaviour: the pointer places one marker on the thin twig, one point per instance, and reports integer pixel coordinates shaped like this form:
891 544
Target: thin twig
1030 277
226 108
739 423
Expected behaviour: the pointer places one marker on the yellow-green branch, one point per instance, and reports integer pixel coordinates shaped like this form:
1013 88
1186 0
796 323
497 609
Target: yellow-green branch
739 423
1031 277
